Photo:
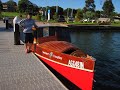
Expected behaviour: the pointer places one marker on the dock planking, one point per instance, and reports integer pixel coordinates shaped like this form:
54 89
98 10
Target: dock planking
21 71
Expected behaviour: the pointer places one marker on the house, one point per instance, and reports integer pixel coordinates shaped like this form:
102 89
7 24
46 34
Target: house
116 19
103 20
5 7
9 8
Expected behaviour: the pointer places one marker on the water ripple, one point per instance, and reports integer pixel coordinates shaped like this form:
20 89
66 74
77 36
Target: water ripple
105 47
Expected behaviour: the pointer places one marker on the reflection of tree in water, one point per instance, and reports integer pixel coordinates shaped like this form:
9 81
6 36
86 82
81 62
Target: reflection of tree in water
84 40
106 43
45 32
63 34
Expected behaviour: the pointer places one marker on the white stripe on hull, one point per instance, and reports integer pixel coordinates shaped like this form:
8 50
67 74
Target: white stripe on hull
62 64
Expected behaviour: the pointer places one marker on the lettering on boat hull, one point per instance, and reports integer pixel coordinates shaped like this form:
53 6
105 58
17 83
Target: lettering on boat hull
76 64
51 54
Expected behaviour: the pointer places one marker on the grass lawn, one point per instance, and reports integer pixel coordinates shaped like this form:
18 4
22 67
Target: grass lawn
82 23
13 14
116 24
9 14
90 23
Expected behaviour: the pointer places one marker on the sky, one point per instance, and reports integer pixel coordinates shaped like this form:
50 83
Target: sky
75 4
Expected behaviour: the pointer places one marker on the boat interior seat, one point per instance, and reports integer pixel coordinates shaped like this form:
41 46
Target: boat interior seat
78 53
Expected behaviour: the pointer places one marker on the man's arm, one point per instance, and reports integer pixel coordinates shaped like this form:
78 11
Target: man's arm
22 23
35 25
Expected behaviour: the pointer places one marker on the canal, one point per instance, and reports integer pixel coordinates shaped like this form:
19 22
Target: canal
105 47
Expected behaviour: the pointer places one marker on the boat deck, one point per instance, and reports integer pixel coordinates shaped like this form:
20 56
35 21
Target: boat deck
21 71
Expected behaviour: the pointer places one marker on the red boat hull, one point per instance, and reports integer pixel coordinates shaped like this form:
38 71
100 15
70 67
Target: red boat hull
80 78
65 58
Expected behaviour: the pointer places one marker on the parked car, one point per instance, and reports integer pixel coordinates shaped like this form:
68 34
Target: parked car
61 18
85 20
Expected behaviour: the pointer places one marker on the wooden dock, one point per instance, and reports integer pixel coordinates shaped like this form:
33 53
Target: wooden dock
21 71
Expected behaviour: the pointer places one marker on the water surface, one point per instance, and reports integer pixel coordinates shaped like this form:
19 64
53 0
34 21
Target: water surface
105 47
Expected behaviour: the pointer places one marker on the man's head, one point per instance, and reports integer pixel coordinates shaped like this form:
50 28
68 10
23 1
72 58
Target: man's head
29 15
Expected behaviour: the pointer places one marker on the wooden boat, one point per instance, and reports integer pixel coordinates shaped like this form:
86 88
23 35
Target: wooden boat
66 59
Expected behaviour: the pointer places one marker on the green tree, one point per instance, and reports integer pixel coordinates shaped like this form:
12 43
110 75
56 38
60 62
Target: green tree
68 12
39 17
11 2
22 5
11 5
55 16
90 15
53 12
108 8
97 14
79 15
89 6
60 11
1 7
43 9
33 8
27 6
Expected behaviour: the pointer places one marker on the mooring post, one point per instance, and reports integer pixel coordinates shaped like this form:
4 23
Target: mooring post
6 21
16 35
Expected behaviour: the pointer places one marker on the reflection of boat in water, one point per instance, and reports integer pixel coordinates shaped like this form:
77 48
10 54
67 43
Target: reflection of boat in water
66 59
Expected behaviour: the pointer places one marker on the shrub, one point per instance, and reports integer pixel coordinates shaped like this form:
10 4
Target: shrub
0 15
38 17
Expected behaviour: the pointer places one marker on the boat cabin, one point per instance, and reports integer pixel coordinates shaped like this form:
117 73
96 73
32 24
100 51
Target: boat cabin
52 33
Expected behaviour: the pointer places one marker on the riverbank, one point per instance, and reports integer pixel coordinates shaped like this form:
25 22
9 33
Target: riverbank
11 15
82 27
95 27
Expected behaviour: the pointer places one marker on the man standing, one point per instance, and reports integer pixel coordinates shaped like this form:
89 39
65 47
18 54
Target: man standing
27 25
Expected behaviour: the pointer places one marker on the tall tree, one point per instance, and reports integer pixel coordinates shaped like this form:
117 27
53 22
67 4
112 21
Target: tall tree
11 2
22 5
67 12
27 6
79 15
89 5
90 15
70 12
11 5
60 11
89 8
53 12
55 16
108 8
1 7
97 14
